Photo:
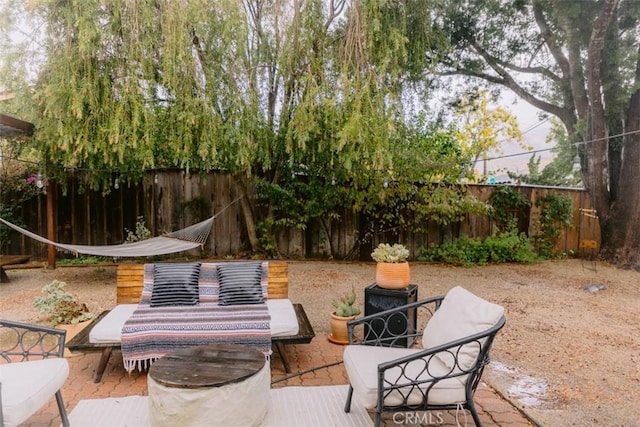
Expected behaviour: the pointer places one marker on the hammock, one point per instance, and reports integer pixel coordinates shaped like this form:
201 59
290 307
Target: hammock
181 240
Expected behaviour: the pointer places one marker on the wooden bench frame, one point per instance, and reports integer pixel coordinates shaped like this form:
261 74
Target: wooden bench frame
129 288
6 260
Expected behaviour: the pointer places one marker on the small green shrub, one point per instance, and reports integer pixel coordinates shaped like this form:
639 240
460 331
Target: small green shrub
510 247
83 260
467 251
141 233
62 307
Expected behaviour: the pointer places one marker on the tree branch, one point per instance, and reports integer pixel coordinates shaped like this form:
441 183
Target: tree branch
550 40
529 70
508 81
335 9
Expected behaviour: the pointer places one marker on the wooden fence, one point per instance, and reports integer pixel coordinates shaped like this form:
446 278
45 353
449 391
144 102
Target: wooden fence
174 199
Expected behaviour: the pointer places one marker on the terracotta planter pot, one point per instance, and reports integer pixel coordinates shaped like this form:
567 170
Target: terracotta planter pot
339 334
393 275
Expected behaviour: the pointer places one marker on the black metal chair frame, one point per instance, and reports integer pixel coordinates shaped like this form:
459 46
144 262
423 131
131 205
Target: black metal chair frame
32 342
374 330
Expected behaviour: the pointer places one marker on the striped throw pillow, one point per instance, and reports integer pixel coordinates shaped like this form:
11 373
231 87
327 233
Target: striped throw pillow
240 283
175 284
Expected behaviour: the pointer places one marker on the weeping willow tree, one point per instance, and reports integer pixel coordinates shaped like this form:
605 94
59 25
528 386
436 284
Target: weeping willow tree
259 89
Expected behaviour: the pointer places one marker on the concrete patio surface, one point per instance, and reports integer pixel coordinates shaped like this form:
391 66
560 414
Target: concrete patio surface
493 409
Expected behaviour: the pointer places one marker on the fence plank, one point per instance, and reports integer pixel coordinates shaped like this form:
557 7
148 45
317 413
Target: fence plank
179 199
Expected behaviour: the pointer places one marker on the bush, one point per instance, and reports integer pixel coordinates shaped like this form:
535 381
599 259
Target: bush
510 247
141 233
62 307
467 251
83 260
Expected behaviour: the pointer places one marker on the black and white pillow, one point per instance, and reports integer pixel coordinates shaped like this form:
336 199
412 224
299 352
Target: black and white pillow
240 283
175 284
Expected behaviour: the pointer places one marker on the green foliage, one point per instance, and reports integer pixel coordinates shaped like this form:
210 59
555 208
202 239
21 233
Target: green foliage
415 191
16 187
482 127
522 46
61 306
466 251
344 306
421 187
266 240
447 204
507 203
510 247
556 212
213 85
83 260
562 171
141 233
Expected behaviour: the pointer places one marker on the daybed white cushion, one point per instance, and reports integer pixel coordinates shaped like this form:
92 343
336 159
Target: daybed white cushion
460 315
109 329
28 386
283 317
361 363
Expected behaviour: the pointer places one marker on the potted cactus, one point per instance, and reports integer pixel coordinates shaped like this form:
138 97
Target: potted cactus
344 310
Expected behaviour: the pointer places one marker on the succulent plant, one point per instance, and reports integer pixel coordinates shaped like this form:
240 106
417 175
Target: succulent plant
344 306
387 253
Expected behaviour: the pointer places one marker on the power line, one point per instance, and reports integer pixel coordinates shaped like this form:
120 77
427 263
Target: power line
575 144
532 127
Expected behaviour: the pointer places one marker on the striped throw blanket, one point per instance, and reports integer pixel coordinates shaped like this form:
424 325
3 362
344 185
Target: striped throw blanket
152 332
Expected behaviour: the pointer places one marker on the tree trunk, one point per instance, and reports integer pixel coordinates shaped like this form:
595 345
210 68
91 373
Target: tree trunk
621 231
247 211
596 179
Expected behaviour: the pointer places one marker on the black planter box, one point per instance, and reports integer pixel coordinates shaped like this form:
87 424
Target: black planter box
377 299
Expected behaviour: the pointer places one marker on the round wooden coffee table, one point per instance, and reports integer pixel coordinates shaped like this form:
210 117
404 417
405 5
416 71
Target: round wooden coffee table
219 384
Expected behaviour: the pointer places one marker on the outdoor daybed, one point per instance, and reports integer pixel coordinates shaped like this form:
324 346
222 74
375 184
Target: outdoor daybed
287 322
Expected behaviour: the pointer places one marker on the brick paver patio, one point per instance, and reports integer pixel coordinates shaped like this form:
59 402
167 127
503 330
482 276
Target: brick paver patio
493 409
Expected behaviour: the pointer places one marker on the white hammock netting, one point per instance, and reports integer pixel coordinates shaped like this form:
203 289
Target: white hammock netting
181 240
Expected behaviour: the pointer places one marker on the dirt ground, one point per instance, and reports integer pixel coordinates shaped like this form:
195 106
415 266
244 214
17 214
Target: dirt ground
567 355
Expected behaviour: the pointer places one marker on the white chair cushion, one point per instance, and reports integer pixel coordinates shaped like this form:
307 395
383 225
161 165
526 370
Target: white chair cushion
361 363
109 329
28 386
283 317
460 315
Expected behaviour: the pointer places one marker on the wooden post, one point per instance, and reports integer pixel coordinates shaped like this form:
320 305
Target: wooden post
51 224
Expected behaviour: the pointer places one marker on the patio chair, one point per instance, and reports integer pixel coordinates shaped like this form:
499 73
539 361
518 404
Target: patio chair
440 374
32 370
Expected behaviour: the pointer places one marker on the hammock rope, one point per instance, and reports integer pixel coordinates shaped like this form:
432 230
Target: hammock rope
184 239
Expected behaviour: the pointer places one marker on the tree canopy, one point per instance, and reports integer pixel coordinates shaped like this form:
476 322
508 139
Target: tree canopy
323 88
266 91
578 60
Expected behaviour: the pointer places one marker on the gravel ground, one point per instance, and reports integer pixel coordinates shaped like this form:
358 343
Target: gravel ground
567 356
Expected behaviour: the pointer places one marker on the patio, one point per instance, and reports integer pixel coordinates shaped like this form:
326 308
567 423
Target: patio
116 383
